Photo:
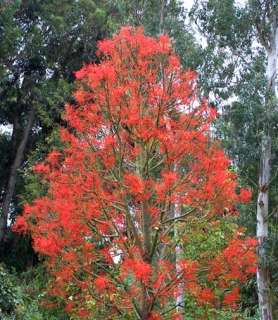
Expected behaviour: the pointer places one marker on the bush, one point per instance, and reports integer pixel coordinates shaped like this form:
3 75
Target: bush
20 296
10 297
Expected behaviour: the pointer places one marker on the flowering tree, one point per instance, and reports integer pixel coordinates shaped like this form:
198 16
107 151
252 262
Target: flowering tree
137 146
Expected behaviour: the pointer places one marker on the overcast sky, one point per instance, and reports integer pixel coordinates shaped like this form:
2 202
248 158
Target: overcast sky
188 3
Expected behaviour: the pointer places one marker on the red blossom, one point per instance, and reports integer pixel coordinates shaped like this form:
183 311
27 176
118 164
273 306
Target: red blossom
133 183
206 296
231 297
20 225
245 195
101 283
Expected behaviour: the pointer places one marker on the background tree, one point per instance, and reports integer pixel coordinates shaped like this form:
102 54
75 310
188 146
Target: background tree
241 46
42 43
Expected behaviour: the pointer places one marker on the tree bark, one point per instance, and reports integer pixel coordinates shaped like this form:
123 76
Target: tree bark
263 281
9 192
162 16
263 275
178 253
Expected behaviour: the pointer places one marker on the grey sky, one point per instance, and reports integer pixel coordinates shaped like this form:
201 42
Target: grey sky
188 3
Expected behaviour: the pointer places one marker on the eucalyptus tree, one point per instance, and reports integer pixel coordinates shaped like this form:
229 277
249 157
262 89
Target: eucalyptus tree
242 44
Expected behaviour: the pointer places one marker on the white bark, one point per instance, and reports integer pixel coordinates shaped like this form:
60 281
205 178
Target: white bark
263 282
162 13
263 279
178 252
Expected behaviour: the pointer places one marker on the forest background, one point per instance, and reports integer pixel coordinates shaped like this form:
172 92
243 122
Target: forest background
233 47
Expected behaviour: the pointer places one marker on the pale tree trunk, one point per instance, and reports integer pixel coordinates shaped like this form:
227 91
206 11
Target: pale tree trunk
263 277
147 258
178 256
263 282
162 15
9 192
178 252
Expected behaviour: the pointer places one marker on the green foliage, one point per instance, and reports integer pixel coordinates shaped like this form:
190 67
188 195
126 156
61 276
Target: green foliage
207 240
207 313
203 242
9 293
42 44
20 296
33 283
4 147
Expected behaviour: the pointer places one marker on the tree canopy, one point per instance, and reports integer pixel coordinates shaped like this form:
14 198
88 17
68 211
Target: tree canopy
138 145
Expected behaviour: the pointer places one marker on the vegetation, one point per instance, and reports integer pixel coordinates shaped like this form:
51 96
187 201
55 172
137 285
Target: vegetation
193 166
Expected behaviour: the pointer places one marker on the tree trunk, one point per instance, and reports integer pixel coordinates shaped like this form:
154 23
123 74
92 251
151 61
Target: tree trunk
9 192
263 276
263 282
178 252
162 16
